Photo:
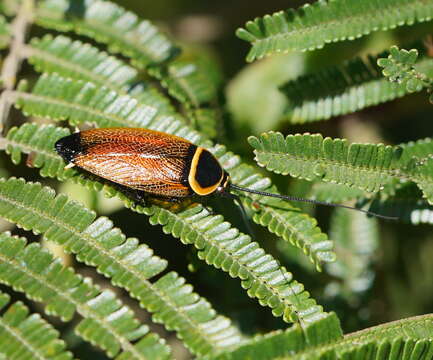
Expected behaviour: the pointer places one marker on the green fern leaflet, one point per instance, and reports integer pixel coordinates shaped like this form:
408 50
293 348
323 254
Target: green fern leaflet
364 166
18 329
314 25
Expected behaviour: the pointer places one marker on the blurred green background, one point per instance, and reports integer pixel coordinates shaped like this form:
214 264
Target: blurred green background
399 282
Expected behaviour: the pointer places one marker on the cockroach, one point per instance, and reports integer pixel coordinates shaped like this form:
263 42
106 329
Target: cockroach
158 165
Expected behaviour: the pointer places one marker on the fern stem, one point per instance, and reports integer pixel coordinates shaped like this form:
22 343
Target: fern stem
19 28
12 62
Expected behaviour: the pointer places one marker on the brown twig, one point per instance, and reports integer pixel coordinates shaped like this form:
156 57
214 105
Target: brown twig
13 61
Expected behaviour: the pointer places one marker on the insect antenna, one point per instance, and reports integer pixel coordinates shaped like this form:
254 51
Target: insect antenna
238 201
318 202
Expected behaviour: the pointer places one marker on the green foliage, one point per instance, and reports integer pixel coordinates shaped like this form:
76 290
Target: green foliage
406 203
356 243
424 178
314 25
334 193
416 151
10 7
18 329
403 339
368 167
83 102
206 120
149 85
106 321
279 343
129 265
365 166
62 98
399 67
253 97
193 82
39 142
219 244
78 60
416 161
108 23
343 89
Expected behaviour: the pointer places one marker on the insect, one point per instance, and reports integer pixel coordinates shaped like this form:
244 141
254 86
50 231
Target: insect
157 164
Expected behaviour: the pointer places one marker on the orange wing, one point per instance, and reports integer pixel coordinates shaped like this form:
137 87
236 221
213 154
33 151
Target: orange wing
141 159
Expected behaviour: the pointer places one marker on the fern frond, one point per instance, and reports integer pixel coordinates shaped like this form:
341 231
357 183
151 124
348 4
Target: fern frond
82 61
191 81
402 339
194 81
147 93
314 25
219 244
233 252
83 102
416 161
330 192
4 32
206 121
29 139
356 241
109 23
311 157
74 59
60 98
416 151
107 322
27 337
280 343
423 177
399 67
343 89
129 265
